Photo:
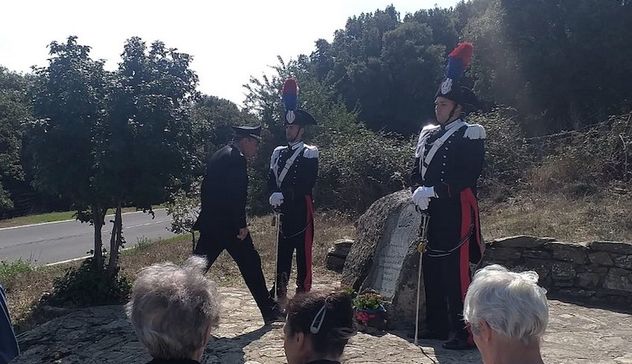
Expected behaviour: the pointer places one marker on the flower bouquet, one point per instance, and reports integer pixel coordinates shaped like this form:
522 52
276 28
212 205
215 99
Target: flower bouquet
369 311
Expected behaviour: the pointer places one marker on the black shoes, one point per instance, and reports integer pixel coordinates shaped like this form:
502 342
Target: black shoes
275 315
458 344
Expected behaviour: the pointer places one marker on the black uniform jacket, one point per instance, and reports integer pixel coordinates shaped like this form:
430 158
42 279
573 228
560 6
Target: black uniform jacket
224 192
298 182
453 171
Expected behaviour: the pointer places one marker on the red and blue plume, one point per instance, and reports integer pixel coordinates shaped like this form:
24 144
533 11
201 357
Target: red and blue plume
458 60
290 94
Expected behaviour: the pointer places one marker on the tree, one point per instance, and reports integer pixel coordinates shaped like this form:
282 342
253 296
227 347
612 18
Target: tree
69 103
126 135
14 111
149 152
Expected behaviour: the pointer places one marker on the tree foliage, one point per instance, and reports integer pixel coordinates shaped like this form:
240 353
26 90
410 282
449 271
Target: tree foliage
126 135
14 111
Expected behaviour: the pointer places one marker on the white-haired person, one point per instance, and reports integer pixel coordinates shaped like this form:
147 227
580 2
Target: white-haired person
173 310
508 314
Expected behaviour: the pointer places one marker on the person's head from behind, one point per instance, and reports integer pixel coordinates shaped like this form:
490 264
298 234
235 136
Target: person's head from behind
173 309
507 313
318 326
247 139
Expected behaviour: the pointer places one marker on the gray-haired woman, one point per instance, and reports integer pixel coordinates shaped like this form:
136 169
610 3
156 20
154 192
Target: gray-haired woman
173 309
508 314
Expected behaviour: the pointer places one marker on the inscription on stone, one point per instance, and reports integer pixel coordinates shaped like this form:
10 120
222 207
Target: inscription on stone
390 254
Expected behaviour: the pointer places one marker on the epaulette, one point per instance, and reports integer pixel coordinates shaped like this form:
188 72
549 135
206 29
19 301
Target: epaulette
311 151
475 131
275 154
429 127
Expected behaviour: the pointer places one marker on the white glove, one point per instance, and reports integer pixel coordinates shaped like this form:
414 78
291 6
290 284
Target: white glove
425 192
421 202
422 195
276 199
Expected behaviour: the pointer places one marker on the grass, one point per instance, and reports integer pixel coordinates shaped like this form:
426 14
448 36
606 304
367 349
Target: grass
604 216
27 287
10 270
49 217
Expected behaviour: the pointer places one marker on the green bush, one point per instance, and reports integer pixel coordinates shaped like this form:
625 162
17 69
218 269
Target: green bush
88 286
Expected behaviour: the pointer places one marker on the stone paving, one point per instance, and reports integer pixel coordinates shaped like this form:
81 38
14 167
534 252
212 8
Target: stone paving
103 334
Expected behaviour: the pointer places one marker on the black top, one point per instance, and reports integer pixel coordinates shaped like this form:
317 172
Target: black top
224 192
456 165
300 178
324 361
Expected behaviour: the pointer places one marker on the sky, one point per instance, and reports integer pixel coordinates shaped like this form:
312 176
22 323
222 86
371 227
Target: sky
229 40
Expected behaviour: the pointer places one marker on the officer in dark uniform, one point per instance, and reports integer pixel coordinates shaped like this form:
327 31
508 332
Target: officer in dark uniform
222 220
448 161
293 172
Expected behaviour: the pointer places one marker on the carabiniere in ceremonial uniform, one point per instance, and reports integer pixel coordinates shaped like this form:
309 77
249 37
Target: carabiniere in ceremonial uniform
293 173
448 161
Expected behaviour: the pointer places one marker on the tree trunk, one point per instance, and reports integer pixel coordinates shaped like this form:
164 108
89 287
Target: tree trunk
193 241
116 240
97 221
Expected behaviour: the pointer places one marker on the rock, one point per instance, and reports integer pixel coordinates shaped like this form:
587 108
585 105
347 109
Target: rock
337 255
334 263
561 272
611 247
536 254
571 252
619 280
601 258
624 261
501 255
384 257
588 280
521 241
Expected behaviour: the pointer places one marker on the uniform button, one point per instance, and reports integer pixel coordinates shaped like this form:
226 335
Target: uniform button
441 179
445 156
444 164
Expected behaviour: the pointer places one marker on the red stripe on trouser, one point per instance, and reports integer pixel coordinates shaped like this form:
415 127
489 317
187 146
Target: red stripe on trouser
309 238
468 204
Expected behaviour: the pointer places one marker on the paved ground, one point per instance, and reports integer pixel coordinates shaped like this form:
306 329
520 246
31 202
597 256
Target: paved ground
576 334
57 241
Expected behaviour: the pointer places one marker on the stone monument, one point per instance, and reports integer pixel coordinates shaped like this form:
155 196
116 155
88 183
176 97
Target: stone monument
384 257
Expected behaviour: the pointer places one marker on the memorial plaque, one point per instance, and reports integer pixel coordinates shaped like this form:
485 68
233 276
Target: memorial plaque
391 253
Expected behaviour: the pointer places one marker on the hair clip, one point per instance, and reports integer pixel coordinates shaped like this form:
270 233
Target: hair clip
317 322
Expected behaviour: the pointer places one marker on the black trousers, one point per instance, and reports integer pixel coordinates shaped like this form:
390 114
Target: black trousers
296 234
444 303
247 258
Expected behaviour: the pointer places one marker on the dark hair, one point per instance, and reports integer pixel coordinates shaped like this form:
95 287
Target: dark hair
327 317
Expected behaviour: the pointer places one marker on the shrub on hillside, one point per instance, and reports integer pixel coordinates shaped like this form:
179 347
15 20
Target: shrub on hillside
356 170
88 285
584 162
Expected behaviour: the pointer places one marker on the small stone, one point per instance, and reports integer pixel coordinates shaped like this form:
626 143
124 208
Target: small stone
601 258
619 280
624 261
522 241
611 247
562 271
571 252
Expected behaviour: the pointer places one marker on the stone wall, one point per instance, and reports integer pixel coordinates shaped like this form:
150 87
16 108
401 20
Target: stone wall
592 272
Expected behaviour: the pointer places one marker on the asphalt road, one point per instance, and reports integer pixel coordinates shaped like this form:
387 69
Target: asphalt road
64 240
